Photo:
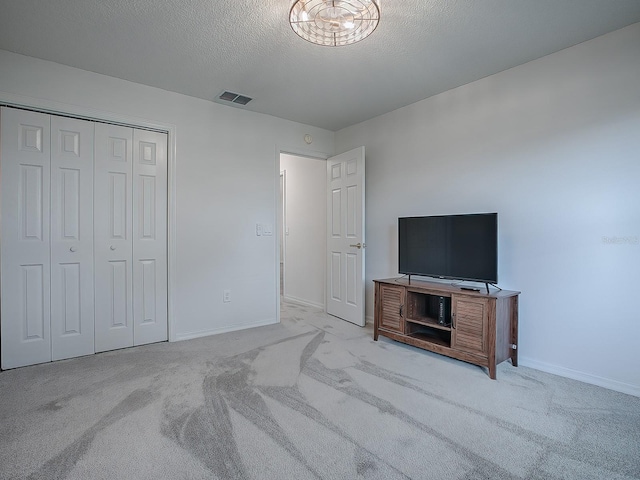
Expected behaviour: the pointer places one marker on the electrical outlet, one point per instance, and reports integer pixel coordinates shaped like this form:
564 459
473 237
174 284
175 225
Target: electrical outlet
226 296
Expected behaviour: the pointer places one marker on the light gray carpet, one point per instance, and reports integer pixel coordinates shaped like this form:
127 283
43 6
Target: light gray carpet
311 398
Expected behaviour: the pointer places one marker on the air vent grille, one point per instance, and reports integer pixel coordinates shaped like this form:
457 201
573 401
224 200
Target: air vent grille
242 100
234 98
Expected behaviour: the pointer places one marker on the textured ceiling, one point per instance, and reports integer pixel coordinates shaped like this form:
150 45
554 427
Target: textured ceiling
200 48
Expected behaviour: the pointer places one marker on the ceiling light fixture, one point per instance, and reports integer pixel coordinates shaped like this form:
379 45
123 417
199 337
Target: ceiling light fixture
334 22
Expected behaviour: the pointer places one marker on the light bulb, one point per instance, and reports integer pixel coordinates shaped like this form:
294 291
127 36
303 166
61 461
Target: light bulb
305 16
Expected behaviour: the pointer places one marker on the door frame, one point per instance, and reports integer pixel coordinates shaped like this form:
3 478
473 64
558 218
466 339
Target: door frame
282 231
299 152
83 113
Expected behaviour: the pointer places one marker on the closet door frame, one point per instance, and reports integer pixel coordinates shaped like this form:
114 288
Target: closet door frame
85 113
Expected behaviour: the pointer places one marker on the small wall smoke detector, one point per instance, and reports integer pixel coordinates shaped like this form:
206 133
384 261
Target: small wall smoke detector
230 97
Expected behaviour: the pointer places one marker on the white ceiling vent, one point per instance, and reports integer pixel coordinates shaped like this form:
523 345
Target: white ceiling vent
234 98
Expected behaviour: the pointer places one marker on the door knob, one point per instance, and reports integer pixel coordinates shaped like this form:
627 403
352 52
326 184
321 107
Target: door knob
112 247
358 245
73 249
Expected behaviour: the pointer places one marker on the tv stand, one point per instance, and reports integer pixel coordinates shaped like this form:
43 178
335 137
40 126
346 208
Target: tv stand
482 328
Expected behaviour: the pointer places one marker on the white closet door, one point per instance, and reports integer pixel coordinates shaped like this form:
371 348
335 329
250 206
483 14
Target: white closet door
26 167
113 224
72 319
149 236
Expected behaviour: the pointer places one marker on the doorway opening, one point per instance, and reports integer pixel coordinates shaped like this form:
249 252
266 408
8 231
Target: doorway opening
323 233
302 232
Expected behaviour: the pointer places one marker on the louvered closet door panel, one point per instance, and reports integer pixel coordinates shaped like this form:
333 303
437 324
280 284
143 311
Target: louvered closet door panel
113 230
25 176
72 317
149 236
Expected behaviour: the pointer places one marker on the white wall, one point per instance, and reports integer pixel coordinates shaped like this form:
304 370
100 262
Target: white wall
554 147
226 182
306 243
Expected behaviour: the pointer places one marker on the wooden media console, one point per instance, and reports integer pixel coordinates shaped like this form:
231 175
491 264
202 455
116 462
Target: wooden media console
477 327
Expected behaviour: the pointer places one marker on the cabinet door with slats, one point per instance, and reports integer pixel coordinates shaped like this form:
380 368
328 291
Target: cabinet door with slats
392 301
470 324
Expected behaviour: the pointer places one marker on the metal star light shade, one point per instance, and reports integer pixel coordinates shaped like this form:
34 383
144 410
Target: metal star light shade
334 22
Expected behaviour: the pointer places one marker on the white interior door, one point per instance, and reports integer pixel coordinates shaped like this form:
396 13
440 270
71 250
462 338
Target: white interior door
113 226
149 237
26 168
345 236
72 316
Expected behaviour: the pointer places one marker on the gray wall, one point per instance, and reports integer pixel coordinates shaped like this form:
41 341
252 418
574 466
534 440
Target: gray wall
553 146
226 181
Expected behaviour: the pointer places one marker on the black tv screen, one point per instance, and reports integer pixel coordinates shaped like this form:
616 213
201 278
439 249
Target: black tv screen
462 247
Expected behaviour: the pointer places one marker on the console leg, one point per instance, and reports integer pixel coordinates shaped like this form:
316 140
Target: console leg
492 371
514 332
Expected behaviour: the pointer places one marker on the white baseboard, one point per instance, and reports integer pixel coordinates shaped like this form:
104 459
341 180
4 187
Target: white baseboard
306 303
369 319
581 376
226 329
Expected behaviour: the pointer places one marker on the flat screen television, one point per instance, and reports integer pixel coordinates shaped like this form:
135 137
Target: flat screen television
460 247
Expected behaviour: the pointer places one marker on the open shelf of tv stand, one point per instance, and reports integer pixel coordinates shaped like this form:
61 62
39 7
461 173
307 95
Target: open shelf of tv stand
431 323
482 328
421 337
